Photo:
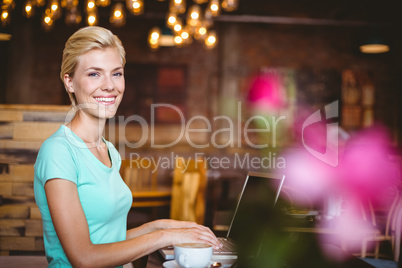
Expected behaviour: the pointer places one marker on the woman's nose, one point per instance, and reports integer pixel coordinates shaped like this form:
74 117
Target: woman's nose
108 84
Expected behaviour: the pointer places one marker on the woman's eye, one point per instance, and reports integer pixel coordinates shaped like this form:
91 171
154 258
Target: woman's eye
93 74
118 74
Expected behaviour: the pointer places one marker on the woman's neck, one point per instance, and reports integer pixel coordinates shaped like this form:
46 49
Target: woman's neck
88 128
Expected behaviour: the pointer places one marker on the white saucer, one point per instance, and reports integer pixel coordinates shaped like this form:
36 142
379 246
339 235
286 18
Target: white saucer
171 264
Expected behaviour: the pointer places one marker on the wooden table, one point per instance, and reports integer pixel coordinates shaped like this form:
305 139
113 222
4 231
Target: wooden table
158 197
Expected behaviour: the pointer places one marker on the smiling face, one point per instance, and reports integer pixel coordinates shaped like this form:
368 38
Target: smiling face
98 82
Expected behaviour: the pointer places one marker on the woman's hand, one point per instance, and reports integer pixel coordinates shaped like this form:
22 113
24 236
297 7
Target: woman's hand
173 224
197 234
176 232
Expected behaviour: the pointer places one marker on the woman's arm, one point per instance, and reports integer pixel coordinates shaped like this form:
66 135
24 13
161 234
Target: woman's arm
163 224
72 229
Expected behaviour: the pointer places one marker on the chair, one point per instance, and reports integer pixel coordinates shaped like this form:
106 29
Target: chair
140 174
398 231
392 232
189 190
141 177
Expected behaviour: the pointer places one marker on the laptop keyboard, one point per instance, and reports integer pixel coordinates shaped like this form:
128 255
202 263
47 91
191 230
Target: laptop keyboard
227 248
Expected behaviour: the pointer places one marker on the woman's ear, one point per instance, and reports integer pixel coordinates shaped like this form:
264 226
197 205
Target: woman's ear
68 82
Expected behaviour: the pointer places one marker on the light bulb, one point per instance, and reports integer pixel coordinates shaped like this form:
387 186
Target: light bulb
230 5
28 9
153 37
214 7
103 3
211 40
91 19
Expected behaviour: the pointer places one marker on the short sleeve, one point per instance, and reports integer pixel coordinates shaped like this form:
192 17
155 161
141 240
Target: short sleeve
56 160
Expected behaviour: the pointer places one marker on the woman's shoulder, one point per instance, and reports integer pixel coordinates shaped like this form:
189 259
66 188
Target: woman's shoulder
61 138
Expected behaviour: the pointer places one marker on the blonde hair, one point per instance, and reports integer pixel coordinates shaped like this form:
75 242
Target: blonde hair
83 41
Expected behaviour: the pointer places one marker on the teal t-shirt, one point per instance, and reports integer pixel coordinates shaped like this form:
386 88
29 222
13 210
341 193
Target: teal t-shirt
104 196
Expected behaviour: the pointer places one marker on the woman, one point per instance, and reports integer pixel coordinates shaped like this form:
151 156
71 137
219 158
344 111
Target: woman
81 196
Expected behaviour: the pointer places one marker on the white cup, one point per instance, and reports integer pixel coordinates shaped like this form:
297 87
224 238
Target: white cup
193 255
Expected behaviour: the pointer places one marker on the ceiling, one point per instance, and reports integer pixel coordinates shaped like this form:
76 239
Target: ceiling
361 10
319 12
368 11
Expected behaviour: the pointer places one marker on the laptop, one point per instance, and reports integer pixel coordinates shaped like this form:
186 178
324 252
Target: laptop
258 188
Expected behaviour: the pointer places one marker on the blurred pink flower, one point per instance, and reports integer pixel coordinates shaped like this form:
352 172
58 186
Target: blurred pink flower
365 174
366 169
312 178
266 92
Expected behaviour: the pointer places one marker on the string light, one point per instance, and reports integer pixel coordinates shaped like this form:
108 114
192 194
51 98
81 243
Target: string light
230 5
196 26
103 3
28 9
194 16
214 7
171 19
178 40
153 37
6 8
178 26
40 3
177 6
200 33
4 17
136 7
90 6
210 41
73 16
47 21
118 16
92 19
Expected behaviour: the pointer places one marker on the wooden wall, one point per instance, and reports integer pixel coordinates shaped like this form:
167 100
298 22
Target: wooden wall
23 128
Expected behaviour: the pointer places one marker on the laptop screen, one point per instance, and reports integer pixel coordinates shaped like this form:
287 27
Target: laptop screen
257 199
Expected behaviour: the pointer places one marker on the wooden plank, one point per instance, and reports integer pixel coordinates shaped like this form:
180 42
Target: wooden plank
17 200
5 169
39 244
6 178
34 131
5 172
38 107
23 189
23 173
17 243
6 188
4 253
6 130
34 213
12 227
47 116
18 145
16 156
14 212
33 228
11 116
